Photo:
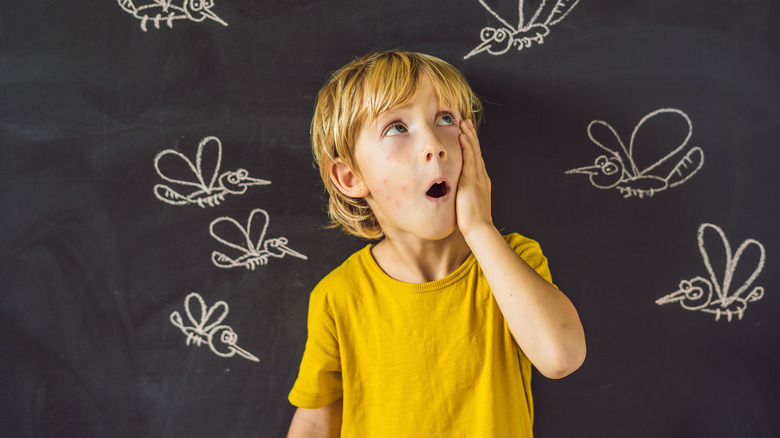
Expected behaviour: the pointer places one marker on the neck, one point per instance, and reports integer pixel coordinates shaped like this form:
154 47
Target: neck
414 260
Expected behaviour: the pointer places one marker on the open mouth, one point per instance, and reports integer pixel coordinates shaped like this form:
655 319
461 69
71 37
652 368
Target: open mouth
437 190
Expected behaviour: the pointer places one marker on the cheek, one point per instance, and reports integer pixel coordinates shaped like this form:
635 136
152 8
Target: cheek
456 149
457 155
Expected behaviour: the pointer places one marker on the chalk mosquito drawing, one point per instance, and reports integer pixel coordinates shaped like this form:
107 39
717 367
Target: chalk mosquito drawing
497 41
206 327
165 11
253 253
619 170
198 191
696 293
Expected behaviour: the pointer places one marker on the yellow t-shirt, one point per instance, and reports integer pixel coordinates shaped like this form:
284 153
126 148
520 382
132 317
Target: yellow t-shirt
431 359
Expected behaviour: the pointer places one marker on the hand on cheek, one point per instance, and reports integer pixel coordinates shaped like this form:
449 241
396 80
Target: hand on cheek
472 204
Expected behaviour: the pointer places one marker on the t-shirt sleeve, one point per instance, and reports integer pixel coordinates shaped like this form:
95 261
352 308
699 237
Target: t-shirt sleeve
530 251
319 377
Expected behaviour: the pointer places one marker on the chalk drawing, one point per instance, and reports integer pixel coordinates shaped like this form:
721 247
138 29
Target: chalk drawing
497 41
205 327
618 169
696 294
200 192
252 254
165 11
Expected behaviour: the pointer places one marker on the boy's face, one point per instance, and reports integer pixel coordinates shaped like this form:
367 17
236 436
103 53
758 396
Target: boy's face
410 160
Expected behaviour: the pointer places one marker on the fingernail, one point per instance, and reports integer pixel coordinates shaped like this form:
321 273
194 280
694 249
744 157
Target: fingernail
471 124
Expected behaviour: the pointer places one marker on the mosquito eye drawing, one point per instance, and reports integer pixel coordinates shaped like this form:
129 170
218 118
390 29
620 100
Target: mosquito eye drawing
621 170
497 41
607 166
166 11
253 248
197 5
203 327
695 295
713 296
207 186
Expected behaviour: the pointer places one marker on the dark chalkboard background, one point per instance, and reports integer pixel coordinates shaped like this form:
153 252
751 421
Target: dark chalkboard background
92 264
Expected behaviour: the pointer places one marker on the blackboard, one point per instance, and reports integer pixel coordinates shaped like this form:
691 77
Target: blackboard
105 250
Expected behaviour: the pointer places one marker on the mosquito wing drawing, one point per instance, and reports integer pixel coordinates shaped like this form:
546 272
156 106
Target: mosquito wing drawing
165 11
204 327
497 41
713 295
208 187
618 169
253 252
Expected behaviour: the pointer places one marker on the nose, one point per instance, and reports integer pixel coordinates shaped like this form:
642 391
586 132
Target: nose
429 156
433 147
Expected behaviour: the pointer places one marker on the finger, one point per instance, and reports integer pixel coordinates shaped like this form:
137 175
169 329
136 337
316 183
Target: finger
477 147
471 133
475 141
467 147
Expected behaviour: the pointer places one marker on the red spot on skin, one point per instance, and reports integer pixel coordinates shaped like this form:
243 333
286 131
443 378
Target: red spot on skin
388 198
385 181
397 204
403 187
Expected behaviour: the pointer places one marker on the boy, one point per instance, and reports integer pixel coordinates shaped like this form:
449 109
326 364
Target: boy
432 331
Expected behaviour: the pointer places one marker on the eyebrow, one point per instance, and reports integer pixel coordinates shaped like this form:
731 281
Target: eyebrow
385 116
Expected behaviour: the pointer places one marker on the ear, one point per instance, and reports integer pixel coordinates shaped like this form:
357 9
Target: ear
347 181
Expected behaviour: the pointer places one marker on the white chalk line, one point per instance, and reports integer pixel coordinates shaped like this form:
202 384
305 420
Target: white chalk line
713 296
199 191
165 11
252 253
497 41
206 328
619 170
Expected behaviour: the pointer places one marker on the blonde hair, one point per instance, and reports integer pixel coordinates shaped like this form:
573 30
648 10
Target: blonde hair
358 93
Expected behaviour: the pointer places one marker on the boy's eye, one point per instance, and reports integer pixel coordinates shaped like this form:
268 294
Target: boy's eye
396 129
445 120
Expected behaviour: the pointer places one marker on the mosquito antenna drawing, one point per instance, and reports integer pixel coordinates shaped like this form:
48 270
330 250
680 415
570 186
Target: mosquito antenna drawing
165 11
497 41
206 193
206 327
618 169
712 296
253 253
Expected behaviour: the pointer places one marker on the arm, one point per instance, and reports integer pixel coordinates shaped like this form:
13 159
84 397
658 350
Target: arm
324 422
541 318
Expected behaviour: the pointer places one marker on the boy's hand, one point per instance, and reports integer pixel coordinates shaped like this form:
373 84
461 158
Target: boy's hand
472 203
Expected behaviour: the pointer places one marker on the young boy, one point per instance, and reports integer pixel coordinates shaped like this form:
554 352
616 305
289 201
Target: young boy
432 331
